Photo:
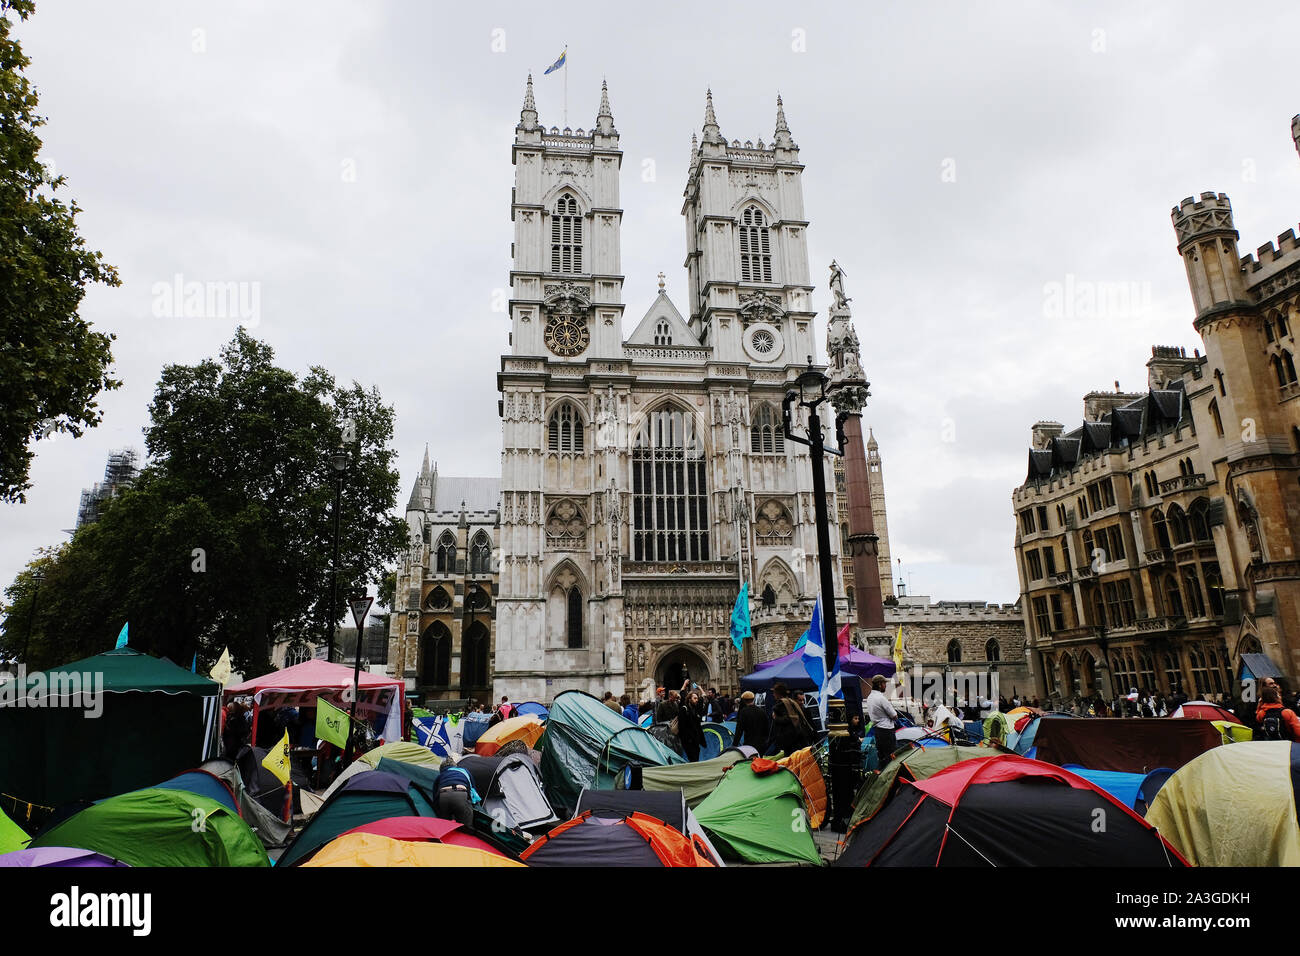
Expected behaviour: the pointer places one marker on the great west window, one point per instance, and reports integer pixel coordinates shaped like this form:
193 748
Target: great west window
670 520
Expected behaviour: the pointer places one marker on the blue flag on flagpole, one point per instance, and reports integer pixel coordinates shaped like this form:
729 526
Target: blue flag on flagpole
558 63
121 638
740 627
814 662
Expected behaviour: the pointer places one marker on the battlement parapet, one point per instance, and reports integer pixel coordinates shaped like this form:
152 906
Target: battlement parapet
1192 218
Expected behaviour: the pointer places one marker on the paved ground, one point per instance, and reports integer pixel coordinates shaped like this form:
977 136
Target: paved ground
828 843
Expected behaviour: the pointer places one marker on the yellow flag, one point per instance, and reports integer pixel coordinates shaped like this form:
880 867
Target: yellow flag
221 669
898 653
277 759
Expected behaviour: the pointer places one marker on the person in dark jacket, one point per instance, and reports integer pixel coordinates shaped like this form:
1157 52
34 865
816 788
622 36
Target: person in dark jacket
689 730
790 728
667 709
752 725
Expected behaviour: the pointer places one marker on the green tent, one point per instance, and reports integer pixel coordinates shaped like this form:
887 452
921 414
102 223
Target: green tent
160 828
915 764
12 836
695 780
109 724
586 744
759 817
396 790
404 752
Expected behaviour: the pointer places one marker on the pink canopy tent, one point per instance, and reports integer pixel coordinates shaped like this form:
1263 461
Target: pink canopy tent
302 684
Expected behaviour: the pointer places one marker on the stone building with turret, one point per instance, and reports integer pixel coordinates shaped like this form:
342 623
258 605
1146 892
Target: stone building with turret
1159 542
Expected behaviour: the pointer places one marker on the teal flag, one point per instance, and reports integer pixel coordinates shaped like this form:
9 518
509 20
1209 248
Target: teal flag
121 639
740 628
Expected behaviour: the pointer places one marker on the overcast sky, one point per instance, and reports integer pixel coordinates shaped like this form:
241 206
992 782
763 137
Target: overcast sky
351 163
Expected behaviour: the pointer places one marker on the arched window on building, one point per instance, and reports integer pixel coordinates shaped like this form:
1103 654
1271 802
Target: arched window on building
566 236
475 649
1215 667
438 600
1192 593
663 333
1178 524
1173 674
480 554
1173 597
1278 371
1200 679
1146 673
766 436
755 246
445 556
1214 589
1199 518
1288 367
1282 327
769 596
1216 418
954 651
573 618
435 655
1160 528
992 650
564 431
670 520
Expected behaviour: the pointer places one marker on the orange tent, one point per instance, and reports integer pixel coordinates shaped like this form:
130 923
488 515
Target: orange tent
527 728
592 839
373 850
804 766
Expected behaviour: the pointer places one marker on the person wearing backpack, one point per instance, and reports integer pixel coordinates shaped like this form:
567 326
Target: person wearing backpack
1275 722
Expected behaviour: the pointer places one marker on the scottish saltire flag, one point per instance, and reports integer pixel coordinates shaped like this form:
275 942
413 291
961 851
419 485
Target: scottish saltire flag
740 628
558 63
814 662
121 639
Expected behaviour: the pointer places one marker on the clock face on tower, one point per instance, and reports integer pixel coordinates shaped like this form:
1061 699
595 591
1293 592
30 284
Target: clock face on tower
567 335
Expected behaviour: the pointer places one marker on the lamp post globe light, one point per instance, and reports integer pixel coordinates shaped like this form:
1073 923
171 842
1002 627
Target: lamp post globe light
339 466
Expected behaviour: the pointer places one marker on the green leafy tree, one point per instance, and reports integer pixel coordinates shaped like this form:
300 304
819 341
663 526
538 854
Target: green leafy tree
226 537
52 364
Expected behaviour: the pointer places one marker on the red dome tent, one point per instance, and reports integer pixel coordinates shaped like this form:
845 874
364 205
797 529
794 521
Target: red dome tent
1006 811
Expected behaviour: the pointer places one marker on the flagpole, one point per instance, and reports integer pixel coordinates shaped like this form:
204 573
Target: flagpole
566 84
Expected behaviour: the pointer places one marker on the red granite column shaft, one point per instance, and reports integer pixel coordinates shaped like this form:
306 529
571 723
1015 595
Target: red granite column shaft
862 532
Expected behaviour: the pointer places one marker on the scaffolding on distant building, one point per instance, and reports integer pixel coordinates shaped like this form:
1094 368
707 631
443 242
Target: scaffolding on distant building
119 472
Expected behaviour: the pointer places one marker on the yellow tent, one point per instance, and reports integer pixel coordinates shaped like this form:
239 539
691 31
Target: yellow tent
1232 806
527 728
373 850
1233 733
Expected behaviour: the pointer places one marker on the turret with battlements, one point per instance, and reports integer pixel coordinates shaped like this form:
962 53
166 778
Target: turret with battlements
1207 241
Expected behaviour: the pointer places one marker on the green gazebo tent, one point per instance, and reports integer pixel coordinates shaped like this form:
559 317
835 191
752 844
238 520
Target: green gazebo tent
105 725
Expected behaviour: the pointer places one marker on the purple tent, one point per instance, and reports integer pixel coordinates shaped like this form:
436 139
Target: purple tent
62 856
790 671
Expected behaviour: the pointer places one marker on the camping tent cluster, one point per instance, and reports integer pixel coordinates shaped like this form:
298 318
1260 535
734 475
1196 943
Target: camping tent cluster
578 784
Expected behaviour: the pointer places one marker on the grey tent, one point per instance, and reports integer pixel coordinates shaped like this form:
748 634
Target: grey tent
666 805
270 829
510 785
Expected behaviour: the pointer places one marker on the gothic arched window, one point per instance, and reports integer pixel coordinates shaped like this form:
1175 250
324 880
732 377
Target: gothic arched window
566 236
474 651
670 519
992 650
755 247
1173 597
445 556
663 333
954 652
769 596
1161 529
1178 524
1200 520
564 430
766 436
480 554
435 655
573 622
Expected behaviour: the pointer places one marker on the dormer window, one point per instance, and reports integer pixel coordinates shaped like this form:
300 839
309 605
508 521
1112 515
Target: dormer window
566 236
755 247
663 333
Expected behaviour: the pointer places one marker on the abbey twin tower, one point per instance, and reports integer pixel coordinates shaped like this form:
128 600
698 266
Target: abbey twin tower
643 478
